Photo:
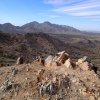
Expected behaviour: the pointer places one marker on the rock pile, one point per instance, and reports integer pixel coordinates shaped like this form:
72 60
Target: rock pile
63 58
59 59
84 64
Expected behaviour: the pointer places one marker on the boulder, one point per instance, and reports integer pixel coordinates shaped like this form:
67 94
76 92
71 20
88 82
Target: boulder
68 63
20 60
59 59
62 57
81 60
49 61
85 64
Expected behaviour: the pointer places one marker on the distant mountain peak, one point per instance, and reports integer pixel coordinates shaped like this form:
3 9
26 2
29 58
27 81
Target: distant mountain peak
8 24
34 22
45 27
46 22
30 24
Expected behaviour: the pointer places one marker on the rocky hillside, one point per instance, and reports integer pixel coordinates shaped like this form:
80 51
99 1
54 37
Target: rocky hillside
30 45
57 78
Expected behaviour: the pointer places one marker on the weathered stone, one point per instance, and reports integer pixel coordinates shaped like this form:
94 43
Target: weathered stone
14 71
7 85
81 60
68 63
62 57
48 88
85 66
48 60
20 60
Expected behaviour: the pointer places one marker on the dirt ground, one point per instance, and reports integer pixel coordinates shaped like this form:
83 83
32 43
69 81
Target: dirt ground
23 85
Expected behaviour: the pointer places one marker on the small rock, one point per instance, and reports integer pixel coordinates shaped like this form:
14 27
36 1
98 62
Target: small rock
14 71
20 60
7 85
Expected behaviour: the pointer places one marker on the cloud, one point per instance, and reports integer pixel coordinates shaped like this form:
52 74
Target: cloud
55 2
61 2
77 8
85 13
83 8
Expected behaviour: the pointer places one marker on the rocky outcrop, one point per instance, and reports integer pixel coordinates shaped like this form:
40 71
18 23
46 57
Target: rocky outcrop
68 63
57 60
84 64
63 58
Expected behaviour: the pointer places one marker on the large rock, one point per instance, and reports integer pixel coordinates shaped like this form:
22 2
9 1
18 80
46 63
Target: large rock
48 61
57 60
81 60
62 57
84 64
68 63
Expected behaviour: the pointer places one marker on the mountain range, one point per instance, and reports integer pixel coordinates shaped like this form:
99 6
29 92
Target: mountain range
45 27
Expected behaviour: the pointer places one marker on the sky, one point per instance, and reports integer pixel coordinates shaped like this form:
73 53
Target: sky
81 14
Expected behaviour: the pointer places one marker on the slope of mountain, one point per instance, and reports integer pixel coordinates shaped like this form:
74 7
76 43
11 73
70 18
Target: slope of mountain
9 28
45 27
31 45
28 45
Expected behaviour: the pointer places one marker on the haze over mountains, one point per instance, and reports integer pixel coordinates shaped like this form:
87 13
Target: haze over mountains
45 27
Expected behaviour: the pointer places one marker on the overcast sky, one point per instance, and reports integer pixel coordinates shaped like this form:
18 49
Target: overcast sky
81 14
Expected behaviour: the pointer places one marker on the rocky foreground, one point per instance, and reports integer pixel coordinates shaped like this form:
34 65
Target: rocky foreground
54 78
